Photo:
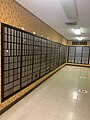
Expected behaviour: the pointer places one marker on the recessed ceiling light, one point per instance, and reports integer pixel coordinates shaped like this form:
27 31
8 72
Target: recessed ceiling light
77 31
34 33
22 28
47 37
41 35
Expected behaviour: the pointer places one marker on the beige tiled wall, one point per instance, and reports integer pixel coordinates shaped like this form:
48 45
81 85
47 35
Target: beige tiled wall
14 14
69 42
64 41
0 63
88 43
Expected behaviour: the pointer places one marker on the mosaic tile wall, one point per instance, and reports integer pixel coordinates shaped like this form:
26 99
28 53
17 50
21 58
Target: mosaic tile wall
14 14
0 64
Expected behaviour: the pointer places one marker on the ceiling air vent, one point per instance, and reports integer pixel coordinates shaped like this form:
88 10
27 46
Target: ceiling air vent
71 23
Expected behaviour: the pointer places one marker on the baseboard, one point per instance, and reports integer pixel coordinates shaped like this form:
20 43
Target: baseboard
79 65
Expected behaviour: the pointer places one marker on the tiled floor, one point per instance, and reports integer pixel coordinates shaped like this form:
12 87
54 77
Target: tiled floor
57 98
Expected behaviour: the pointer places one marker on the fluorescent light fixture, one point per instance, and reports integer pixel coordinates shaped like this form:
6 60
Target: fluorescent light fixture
77 31
79 38
70 8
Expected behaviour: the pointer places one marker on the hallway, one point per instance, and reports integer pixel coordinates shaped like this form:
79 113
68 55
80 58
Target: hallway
58 98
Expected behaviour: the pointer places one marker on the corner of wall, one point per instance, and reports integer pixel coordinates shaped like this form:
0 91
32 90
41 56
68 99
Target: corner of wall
64 41
0 62
69 43
88 43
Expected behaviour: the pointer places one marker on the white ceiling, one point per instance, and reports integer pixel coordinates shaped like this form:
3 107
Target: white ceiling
52 13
